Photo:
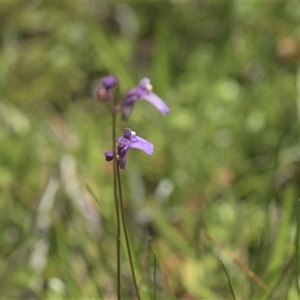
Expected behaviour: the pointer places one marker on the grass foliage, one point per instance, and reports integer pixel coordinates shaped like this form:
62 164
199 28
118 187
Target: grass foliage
214 213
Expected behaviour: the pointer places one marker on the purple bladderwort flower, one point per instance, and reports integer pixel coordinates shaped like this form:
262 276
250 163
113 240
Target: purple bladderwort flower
131 140
142 91
103 93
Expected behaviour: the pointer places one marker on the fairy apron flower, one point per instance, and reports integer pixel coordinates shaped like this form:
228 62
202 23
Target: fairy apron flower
142 92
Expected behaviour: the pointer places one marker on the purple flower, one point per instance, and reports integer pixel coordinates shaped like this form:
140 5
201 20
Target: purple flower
131 140
142 91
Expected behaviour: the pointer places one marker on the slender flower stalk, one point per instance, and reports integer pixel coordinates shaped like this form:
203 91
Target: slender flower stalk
126 235
117 210
110 82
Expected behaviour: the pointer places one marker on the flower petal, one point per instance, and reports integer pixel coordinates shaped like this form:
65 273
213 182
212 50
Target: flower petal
126 111
127 135
123 147
140 143
145 85
157 102
122 161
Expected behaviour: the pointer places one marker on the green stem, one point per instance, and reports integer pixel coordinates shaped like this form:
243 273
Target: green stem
126 234
117 209
154 279
297 243
229 281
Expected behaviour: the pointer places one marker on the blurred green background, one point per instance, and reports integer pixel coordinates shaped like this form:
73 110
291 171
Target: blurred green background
224 180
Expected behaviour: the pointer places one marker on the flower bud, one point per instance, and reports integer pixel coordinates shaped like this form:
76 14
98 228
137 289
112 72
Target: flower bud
109 155
103 94
109 81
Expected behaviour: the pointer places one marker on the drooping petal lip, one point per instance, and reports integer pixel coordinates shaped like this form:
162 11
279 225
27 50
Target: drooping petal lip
140 143
157 102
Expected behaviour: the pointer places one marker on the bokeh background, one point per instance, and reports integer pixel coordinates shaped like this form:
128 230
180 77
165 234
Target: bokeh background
222 185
